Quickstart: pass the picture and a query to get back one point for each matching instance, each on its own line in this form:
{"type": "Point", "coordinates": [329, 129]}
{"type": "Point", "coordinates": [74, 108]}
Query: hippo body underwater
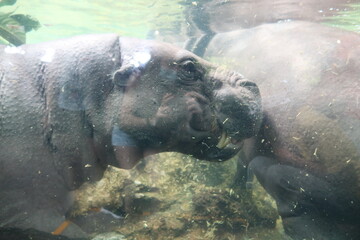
{"type": "Point", "coordinates": [63, 103]}
{"type": "Point", "coordinates": [307, 153]}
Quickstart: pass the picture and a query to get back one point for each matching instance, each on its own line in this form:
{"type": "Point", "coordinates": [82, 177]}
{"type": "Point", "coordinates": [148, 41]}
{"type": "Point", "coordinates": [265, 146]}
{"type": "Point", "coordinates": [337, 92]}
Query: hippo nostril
{"type": "Point", "coordinates": [217, 85]}
{"type": "Point", "coordinates": [246, 83]}
{"type": "Point", "coordinates": [249, 85]}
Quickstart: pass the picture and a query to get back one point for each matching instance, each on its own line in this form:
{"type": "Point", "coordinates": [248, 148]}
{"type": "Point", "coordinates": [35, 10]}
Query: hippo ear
{"type": "Point", "coordinates": [123, 75]}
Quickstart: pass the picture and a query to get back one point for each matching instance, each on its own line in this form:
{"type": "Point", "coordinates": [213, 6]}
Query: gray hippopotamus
{"type": "Point", "coordinates": [68, 108]}
{"type": "Point", "coordinates": [204, 19]}
{"type": "Point", "coordinates": [224, 16]}
{"type": "Point", "coordinates": [307, 153]}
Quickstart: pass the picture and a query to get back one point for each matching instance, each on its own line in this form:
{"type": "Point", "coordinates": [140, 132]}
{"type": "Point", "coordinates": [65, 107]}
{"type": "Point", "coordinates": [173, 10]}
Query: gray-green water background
{"type": "Point", "coordinates": [135, 18]}
{"type": "Point", "coordinates": [66, 18]}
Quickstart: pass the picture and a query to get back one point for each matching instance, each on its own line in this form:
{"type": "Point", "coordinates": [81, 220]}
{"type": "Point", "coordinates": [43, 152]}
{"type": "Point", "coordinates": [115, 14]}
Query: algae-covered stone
{"type": "Point", "coordinates": [172, 196]}
{"type": "Point", "coordinates": [183, 169]}
{"type": "Point", "coordinates": [105, 192]}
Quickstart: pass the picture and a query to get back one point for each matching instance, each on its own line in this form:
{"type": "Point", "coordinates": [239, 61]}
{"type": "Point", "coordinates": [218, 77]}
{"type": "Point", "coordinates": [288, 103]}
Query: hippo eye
{"type": "Point", "coordinates": [190, 71]}
{"type": "Point", "coordinates": [189, 66]}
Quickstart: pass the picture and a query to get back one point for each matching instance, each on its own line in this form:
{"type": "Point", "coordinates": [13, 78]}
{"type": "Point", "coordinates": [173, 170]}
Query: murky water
{"type": "Point", "coordinates": [174, 196]}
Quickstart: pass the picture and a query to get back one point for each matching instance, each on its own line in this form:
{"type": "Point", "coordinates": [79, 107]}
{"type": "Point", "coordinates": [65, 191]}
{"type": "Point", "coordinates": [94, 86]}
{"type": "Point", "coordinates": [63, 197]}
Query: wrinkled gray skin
{"type": "Point", "coordinates": [59, 102]}
{"type": "Point", "coordinates": [307, 153]}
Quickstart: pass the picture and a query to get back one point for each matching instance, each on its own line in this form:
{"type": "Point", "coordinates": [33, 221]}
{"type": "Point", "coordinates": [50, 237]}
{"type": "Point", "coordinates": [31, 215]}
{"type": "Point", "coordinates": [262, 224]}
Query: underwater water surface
{"type": "Point", "coordinates": [61, 19]}
{"type": "Point", "coordinates": [136, 18]}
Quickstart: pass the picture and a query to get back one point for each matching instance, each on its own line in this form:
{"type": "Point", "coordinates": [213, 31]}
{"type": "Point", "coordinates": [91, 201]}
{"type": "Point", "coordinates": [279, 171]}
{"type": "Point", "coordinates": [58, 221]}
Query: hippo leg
{"type": "Point", "coordinates": [305, 203]}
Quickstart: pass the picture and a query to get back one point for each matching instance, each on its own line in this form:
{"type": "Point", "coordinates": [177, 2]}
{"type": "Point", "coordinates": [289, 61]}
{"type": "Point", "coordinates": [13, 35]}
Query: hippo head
{"type": "Point", "coordinates": [172, 100]}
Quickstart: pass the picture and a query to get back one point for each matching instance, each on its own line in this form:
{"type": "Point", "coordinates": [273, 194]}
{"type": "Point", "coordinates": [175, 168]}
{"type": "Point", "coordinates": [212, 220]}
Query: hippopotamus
{"type": "Point", "coordinates": [224, 16]}
{"type": "Point", "coordinates": [71, 107]}
{"type": "Point", "coordinates": [307, 152]}
{"type": "Point", "coordinates": [205, 19]}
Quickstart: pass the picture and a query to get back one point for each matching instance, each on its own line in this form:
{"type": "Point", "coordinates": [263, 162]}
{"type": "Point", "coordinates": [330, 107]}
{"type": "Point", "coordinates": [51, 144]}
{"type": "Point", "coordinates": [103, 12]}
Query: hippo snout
{"type": "Point", "coordinates": [239, 113]}
{"type": "Point", "coordinates": [239, 109]}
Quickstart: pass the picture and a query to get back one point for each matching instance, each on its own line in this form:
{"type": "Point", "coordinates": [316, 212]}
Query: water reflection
{"type": "Point", "coordinates": [225, 16]}
{"type": "Point", "coordinates": [206, 18]}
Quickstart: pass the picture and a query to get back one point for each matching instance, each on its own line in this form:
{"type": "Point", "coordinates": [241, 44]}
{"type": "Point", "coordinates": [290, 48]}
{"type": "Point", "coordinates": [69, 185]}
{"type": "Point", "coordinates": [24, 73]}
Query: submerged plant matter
{"type": "Point", "coordinates": [13, 27]}
{"type": "Point", "coordinates": [172, 196]}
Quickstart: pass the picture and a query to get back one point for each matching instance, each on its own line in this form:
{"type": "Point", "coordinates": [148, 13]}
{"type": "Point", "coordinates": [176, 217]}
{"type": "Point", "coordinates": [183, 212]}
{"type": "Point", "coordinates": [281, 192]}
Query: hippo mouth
{"type": "Point", "coordinates": [218, 149]}
{"type": "Point", "coordinates": [226, 148]}
{"type": "Point", "coordinates": [214, 141]}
